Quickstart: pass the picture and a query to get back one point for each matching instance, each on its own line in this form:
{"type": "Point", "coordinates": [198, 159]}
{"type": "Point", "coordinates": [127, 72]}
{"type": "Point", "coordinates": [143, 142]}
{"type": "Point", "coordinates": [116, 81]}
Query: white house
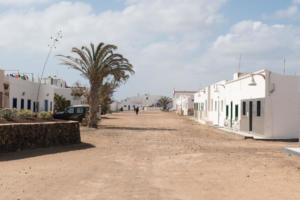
{"type": "Point", "coordinates": [264, 104]}
{"type": "Point", "coordinates": [141, 101]}
{"type": "Point", "coordinates": [23, 93]}
{"type": "Point", "coordinates": [183, 102]}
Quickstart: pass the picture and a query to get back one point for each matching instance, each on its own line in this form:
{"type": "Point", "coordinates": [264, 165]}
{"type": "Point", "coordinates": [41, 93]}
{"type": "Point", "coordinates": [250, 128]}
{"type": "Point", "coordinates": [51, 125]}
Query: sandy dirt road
{"type": "Point", "coordinates": [153, 156]}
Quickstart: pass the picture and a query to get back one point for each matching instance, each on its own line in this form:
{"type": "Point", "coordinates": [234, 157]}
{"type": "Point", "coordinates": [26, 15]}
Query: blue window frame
{"type": "Point", "coordinates": [46, 105]}
{"type": "Point", "coordinates": [15, 103]}
{"type": "Point", "coordinates": [51, 106]}
{"type": "Point", "coordinates": [22, 104]}
{"type": "Point", "coordinates": [28, 104]}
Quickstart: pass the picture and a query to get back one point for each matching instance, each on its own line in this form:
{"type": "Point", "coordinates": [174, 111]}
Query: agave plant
{"type": "Point", "coordinates": [97, 64]}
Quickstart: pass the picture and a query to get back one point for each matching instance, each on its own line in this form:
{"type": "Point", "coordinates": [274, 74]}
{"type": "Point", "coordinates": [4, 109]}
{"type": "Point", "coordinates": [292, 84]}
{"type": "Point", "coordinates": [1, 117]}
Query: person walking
{"type": "Point", "coordinates": [137, 110]}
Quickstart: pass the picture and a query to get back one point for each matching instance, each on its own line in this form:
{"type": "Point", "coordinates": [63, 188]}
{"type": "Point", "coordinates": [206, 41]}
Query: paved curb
{"type": "Point", "coordinates": [291, 151]}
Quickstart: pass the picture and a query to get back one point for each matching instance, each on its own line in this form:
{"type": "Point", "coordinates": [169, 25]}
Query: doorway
{"type": "Point", "coordinates": [250, 115]}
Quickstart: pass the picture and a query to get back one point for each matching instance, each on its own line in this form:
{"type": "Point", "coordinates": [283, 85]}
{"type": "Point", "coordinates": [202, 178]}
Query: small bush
{"type": "Point", "coordinates": [9, 114]}
{"type": "Point", "coordinates": [45, 115]}
{"type": "Point", "coordinates": [25, 114]}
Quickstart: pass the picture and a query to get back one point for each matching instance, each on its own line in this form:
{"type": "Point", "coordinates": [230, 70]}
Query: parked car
{"type": "Point", "coordinates": [76, 113]}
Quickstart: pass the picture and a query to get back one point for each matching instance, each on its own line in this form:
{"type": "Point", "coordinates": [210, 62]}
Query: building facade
{"type": "Point", "coordinates": [264, 104]}
{"type": "Point", "coordinates": [183, 102]}
{"type": "Point", "coordinates": [141, 101]}
{"type": "Point", "coordinates": [22, 93]}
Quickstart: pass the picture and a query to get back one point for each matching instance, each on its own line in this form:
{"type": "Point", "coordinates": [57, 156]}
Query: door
{"type": "Point", "coordinates": [231, 112]}
{"type": "Point", "coordinates": [250, 115]}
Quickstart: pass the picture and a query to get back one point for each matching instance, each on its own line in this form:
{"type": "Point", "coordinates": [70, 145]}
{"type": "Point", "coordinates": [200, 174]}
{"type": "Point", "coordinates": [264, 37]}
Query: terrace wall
{"type": "Point", "coordinates": [16, 137]}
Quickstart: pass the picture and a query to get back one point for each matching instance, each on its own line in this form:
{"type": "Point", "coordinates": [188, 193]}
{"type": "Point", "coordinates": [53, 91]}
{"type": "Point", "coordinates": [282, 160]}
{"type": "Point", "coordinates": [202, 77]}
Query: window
{"type": "Point", "coordinates": [46, 105]}
{"type": "Point", "coordinates": [51, 106]}
{"type": "Point", "coordinates": [258, 108]}
{"type": "Point", "coordinates": [125, 106]}
{"type": "Point", "coordinates": [80, 110]}
{"type": "Point", "coordinates": [244, 108]}
{"type": "Point", "coordinates": [28, 104]}
{"type": "Point", "coordinates": [227, 111]}
{"type": "Point", "coordinates": [216, 105]}
{"type": "Point", "coordinates": [212, 105]}
{"type": "Point", "coordinates": [236, 112]}
{"type": "Point", "coordinates": [15, 103]}
{"type": "Point", "coordinates": [70, 110]}
{"type": "Point", "coordinates": [22, 104]}
{"type": "Point", "coordinates": [35, 106]}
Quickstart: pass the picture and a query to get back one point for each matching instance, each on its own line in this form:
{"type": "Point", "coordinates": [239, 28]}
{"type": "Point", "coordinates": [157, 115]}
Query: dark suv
{"type": "Point", "coordinates": [75, 113]}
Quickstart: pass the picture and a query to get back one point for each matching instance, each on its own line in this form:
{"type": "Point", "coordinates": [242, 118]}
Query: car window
{"type": "Point", "coordinates": [70, 110]}
{"type": "Point", "coordinates": [87, 109]}
{"type": "Point", "coordinates": [80, 110]}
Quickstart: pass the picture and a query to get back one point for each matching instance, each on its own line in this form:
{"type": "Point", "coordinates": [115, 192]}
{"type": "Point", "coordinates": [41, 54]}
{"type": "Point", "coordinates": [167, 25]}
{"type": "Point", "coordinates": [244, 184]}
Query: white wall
{"type": "Point", "coordinates": [27, 90]}
{"type": "Point", "coordinates": [283, 106]}
{"type": "Point", "coordinates": [66, 92]}
{"type": "Point", "coordinates": [238, 91]}
{"type": "Point", "coordinates": [279, 97]}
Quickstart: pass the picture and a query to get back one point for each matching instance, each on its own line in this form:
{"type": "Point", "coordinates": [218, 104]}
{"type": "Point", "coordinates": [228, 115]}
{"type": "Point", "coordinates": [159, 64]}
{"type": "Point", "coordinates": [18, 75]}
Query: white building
{"type": "Point", "coordinates": [264, 104]}
{"type": "Point", "coordinates": [141, 101]}
{"type": "Point", "coordinates": [23, 93]}
{"type": "Point", "coordinates": [183, 102]}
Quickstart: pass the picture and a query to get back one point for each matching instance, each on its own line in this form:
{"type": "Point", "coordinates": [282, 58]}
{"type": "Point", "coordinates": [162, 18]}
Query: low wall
{"type": "Point", "coordinates": [15, 137]}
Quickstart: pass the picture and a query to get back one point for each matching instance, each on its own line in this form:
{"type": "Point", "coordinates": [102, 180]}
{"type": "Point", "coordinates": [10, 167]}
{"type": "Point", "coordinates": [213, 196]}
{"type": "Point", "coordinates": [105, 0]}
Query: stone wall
{"type": "Point", "coordinates": [15, 137]}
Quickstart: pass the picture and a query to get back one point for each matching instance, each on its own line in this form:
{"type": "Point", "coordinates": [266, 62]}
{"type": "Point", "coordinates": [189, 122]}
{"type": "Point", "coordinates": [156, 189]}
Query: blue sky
{"type": "Point", "coordinates": [181, 44]}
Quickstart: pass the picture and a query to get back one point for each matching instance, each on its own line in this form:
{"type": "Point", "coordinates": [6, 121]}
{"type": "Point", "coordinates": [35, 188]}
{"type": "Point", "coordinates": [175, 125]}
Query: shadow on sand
{"type": "Point", "coordinates": [29, 153]}
{"type": "Point", "coordinates": [134, 128]}
{"type": "Point", "coordinates": [104, 117]}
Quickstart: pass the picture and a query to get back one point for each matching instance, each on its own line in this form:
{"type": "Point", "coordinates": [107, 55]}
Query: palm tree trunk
{"type": "Point", "coordinates": [94, 105]}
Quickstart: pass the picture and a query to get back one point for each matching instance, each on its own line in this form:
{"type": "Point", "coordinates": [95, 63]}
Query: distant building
{"type": "Point", "coordinates": [24, 93]}
{"type": "Point", "coordinates": [183, 102]}
{"type": "Point", "coordinates": [263, 104]}
{"type": "Point", "coordinates": [141, 101]}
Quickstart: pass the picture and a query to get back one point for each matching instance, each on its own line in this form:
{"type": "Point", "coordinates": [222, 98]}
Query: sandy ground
{"type": "Point", "coordinates": [152, 156]}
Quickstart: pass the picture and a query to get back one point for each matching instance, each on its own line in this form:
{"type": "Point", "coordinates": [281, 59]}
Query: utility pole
{"type": "Point", "coordinates": [54, 39]}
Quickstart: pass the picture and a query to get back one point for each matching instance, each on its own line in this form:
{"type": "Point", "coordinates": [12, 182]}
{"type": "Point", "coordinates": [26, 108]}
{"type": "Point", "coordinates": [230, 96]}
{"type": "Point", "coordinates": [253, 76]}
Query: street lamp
{"type": "Point", "coordinates": [216, 87]}
{"type": "Point", "coordinates": [253, 82]}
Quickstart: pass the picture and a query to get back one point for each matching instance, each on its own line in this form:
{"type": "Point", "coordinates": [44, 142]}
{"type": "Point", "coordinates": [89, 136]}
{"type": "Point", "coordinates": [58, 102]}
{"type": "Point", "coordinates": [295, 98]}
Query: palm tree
{"type": "Point", "coordinates": [97, 64]}
{"type": "Point", "coordinates": [164, 102]}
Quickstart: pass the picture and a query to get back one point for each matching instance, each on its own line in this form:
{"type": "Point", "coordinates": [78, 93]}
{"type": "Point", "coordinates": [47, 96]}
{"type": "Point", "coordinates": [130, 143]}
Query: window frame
{"type": "Point", "coordinates": [236, 113]}
{"type": "Point", "coordinates": [227, 111]}
{"type": "Point", "coordinates": [258, 108]}
{"type": "Point", "coordinates": [15, 103]}
{"type": "Point", "coordinates": [244, 108]}
{"type": "Point", "coordinates": [22, 105]}
{"type": "Point", "coordinates": [28, 104]}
